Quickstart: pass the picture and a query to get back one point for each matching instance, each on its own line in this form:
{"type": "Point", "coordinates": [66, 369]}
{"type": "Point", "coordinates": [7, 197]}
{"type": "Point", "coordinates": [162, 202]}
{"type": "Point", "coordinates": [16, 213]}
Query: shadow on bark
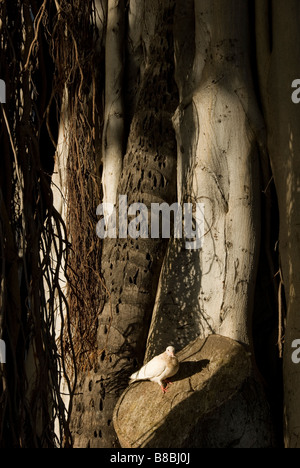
{"type": "Point", "coordinates": [215, 402]}
{"type": "Point", "coordinates": [190, 368]}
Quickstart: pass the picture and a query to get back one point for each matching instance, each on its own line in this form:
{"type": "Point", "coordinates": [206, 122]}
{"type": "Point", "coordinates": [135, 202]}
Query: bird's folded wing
{"type": "Point", "coordinates": [153, 368]}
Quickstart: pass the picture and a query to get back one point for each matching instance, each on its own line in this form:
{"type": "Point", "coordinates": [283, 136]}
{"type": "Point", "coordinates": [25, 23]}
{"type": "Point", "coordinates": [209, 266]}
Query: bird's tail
{"type": "Point", "coordinates": [133, 377]}
{"type": "Point", "coordinates": [139, 375]}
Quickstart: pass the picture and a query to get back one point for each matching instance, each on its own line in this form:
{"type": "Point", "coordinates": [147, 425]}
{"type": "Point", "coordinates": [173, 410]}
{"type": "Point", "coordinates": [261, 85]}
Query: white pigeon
{"type": "Point", "coordinates": [160, 368]}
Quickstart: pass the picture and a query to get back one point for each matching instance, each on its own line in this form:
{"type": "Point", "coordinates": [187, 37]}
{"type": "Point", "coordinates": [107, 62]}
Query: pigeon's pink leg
{"type": "Point", "coordinates": [165, 389]}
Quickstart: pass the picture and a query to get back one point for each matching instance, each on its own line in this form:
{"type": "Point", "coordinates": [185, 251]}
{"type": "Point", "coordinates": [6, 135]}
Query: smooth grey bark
{"type": "Point", "coordinates": [218, 128]}
{"type": "Point", "coordinates": [113, 134]}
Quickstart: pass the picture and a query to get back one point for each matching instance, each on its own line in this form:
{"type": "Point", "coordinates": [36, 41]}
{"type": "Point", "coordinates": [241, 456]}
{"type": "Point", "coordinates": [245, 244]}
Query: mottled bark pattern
{"type": "Point", "coordinates": [131, 267]}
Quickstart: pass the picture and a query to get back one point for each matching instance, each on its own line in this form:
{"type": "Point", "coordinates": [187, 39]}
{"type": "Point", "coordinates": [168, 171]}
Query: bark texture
{"type": "Point", "coordinates": [211, 132]}
{"type": "Point", "coordinates": [113, 136]}
{"type": "Point", "coordinates": [218, 127]}
{"type": "Point", "coordinates": [162, 102]}
{"type": "Point", "coordinates": [131, 267]}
